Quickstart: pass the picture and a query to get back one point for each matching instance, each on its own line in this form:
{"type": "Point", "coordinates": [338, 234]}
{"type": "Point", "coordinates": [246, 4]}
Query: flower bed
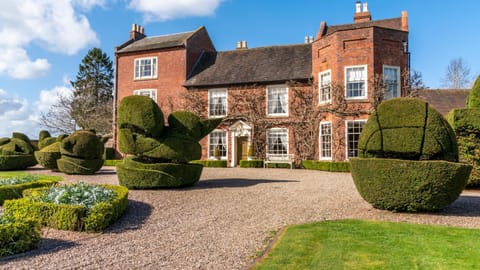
{"type": "Point", "coordinates": [12, 185]}
{"type": "Point", "coordinates": [72, 207]}
{"type": "Point", "coordinates": [17, 236]}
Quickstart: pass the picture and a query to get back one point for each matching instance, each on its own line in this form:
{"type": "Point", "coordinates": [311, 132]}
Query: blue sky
{"type": "Point", "coordinates": [43, 42]}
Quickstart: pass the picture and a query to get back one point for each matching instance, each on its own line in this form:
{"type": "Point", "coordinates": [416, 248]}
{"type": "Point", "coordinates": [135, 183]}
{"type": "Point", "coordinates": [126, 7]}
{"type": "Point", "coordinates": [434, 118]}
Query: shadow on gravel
{"type": "Point", "coordinates": [47, 245]}
{"type": "Point", "coordinates": [106, 171]}
{"type": "Point", "coordinates": [234, 183]}
{"type": "Point", "coordinates": [464, 206]}
{"type": "Point", "coordinates": [134, 217]}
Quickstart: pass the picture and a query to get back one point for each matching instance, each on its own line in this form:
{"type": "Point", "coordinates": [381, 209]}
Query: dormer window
{"type": "Point", "coordinates": [145, 68]}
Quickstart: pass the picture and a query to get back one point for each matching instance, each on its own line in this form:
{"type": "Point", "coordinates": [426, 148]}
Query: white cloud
{"type": "Point", "coordinates": [54, 25]}
{"type": "Point", "coordinates": [89, 4]}
{"type": "Point", "coordinates": [19, 115]}
{"type": "Point", "coordinates": [170, 9]}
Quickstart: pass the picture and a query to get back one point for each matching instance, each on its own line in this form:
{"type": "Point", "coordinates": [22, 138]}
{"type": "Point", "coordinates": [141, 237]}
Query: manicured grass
{"type": "Point", "coordinates": [356, 244]}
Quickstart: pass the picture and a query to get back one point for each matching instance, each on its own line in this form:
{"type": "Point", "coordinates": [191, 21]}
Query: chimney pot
{"type": "Point", "coordinates": [133, 27]}
{"type": "Point", "coordinates": [358, 6]}
{"type": "Point", "coordinates": [137, 32]}
{"type": "Point", "coordinates": [306, 39]}
{"type": "Point", "coordinates": [365, 7]}
{"type": "Point", "coordinates": [244, 44]}
{"type": "Point", "coordinates": [404, 20]}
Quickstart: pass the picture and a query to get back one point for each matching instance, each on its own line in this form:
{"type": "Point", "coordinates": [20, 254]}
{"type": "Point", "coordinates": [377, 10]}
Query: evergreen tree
{"type": "Point", "coordinates": [93, 92]}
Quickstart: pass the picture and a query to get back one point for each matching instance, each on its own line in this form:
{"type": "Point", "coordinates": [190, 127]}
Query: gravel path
{"type": "Point", "coordinates": [220, 223]}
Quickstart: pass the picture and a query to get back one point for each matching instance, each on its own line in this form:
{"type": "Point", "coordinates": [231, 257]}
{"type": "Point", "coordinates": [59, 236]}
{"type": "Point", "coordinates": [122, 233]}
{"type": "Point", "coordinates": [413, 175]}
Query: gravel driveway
{"type": "Point", "coordinates": [220, 223]}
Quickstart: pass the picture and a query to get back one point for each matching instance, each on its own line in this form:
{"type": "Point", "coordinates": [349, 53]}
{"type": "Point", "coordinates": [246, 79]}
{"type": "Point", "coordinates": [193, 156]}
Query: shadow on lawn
{"type": "Point", "coordinates": [46, 246]}
{"type": "Point", "coordinates": [234, 183]}
{"type": "Point", "coordinates": [134, 217]}
{"type": "Point", "coordinates": [464, 206]}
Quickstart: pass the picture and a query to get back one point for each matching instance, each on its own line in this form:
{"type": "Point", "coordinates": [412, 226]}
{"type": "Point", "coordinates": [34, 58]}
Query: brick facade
{"type": "Point", "coordinates": [189, 66]}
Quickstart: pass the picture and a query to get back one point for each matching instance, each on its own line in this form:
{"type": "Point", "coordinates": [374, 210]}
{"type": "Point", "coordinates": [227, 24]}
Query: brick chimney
{"type": "Point", "coordinates": [137, 32]}
{"type": "Point", "coordinates": [404, 21]}
{"type": "Point", "coordinates": [362, 14]}
{"type": "Point", "coordinates": [242, 44]}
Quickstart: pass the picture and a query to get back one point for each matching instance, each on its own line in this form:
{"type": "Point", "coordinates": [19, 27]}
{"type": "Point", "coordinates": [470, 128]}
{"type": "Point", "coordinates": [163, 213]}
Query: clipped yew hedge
{"type": "Point", "coordinates": [211, 163]}
{"type": "Point", "coordinates": [256, 163]}
{"type": "Point", "coordinates": [18, 236]}
{"type": "Point", "coordinates": [81, 153]}
{"type": "Point", "coordinates": [16, 153]}
{"type": "Point", "coordinates": [328, 166]}
{"type": "Point", "coordinates": [69, 217]}
{"type": "Point", "coordinates": [406, 185]}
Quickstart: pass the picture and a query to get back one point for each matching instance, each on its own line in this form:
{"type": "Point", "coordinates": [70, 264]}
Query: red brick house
{"type": "Point", "coordinates": [310, 100]}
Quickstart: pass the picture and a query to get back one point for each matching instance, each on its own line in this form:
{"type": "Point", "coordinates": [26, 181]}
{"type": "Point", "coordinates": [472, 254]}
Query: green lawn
{"type": "Point", "coordinates": [357, 244]}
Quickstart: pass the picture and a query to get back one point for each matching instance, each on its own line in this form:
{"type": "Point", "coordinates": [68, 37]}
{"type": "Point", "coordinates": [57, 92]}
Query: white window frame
{"type": "Point", "coordinates": [211, 151]}
{"type": "Point", "coordinates": [274, 87]}
{"type": "Point", "coordinates": [322, 86]}
{"type": "Point", "coordinates": [399, 88]}
{"type": "Point", "coordinates": [321, 136]}
{"type": "Point", "coordinates": [151, 93]}
{"type": "Point", "coordinates": [347, 142]}
{"type": "Point", "coordinates": [210, 100]}
{"type": "Point", "coordinates": [153, 68]}
{"type": "Point", "coordinates": [365, 81]}
{"type": "Point", "coordinates": [287, 143]}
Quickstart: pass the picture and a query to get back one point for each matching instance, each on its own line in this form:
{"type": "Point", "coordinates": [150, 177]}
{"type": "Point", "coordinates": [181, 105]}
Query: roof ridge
{"type": "Point", "coordinates": [266, 47]}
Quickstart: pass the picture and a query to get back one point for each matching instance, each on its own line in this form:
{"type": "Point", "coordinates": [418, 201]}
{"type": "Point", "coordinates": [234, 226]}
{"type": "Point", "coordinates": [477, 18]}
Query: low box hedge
{"type": "Point", "coordinates": [211, 163]}
{"type": "Point", "coordinates": [408, 185]}
{"type": "Point", "coordinates": [279, 165]}
{"type": "Point", "coordinates": [328, 166]}
{"type": "Point", "coordinates": [112, 162]}
{"type": "Point", "coordinates": [8, 192]}
{"type": "Point", "coordinates": [18, 236]}
{"type": "Point", "coordinates": [256, 163]}
{"type": "Point", "coordinates": [70, 217]}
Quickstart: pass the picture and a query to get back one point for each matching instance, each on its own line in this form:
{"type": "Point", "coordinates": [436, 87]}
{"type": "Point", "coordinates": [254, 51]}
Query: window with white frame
{"type": "Point", "coordinates": [277, 141]}
{"type": "Point", "coordinates": [353, 130]}
{"type": "Point", "coordinates": [326, 140]}
{"type": "Point", "coordinates": [151, 93]}
{"type": "Point", "coordinates": [391, 80]}
{"type": "Point", "coordinates": [325, 86]}
{"type": "Point", "coordinates": [277, 100]}
{"type": "Point", "coordinates": [356, 82]}
{"type": "Point", "coordinates": [217, 139]}
{"type": "Point", "coordinates": [146, 68]}
{"type": "Point", "coordinates": [217, 102]}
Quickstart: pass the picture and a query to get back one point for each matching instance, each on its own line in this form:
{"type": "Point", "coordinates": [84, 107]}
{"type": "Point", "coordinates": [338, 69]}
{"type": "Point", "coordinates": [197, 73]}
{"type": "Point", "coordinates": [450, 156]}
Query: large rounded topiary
{"type": "Point", "coordinates": [466, 124]}
{"type": "Point", "coordinates": [49, 150]}
{"type": "Point", "coordinates": [81, 153]}
{"type": "Point", "coordinates": [408, 158]}
{"type": "Point", "coordinates": [16, 153]}
{"type": "Point", "coordinates": [161, 153]}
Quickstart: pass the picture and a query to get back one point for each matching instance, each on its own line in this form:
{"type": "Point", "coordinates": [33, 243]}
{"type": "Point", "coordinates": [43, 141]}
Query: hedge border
{"type": "Point", "coordinates": [9, 192]}
{"type": "Point", "coordinates": [211, 163]}
{"type": "Point", "coordinates": [328, 166]}
{"type": "Point", "coordinates": [19, 236]}
{"type": "Point", "coordinates": [256, 163]}
{"type": "Point", "coordinates": [112, 162]}
{"type": "Point", "coordinates": [70, 217]}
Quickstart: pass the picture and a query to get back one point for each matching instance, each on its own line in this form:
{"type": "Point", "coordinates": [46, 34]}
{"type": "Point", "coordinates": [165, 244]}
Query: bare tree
{"type": "Point", "coordinates": [59, 118]}
{"type": "Point", "coordinates": [457, 75]}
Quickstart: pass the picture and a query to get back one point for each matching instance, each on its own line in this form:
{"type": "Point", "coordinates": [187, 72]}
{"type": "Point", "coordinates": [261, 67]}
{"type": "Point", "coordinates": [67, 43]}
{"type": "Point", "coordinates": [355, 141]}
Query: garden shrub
{"type": "Point", "coordinates": [328, 166]}
{"type": "Point", "coordinates": [18, 236]}
{"type": "Point", "coordinates": [407, 155]}
{"type": "Point", "coordinates": [66, 216]}
{"type": "Point", "coordinates": [81, 153]}
{"type": "Point", "coordinates": [406, 185]}
{"type": "Point", "coordinates": [16, 153]}
{"type": "Point", "coordinates": [211, 163]}
{"type": "Point", "coordinates": [466, 124]}
{"type": "Point", "coordinates": [112, 162]}
{"type": "Point", "coordinates": [256, 163]}
{"type": "Point", "coordinates": [21, 182]}
{"type": "Point", "coordinates": [279, 165]}
{"type": "Point", "coordinates": [162, 153]}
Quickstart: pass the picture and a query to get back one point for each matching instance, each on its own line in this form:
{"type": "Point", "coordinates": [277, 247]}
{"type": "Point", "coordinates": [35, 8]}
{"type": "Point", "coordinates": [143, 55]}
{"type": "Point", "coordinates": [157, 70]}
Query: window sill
{"type": "Point", "coordinates": [216, 116]}
{"type": "Point", "coordinates": [277, 115]}
{"type": "Point", "coordinates": [145, 79]}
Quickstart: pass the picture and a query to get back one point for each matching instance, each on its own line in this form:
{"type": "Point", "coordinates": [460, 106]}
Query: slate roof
{"type": "Point", "coordinates": [444, 100]}
{"type": "Point", "coordinates": [257, 65]}
{"type": "Point", "coordinates": [157, 42]}
{"type": "Point", "coordinates": [394, 23]}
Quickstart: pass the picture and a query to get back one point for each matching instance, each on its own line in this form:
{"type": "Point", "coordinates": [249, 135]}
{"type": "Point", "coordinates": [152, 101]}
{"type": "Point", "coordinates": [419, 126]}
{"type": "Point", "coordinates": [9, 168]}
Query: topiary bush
{"type": "Point", "coordinates": [466, 124]}
{"type": "Point", "coordinates": [49, 150]}
{"type": "Point", "coordinates": [16, 153]}
{"type": "Point", "coordinates": [407, 158]}
{"type": "Point", "coordinates": [161, 153]}
{"type": "Point", "coordinates": [63, 216]}
{"type": "Point", "coordinates": [18, 235]}
{"type": "Point", "coordinates": [81, 153]}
